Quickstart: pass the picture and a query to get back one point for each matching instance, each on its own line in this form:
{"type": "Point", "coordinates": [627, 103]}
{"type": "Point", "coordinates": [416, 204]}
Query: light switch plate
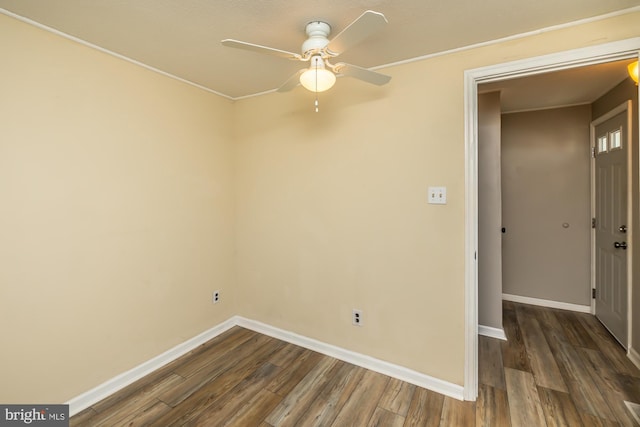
{"type": "Point", "coordinates": [437, 195]}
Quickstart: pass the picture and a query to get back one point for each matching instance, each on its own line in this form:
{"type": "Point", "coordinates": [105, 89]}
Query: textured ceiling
{"type": "Point", "coordinates": [183, 37]}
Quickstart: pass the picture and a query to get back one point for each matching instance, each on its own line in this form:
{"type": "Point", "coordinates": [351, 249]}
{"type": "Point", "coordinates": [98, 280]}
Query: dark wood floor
{"type": "Point", "coordinates": [558, 368]}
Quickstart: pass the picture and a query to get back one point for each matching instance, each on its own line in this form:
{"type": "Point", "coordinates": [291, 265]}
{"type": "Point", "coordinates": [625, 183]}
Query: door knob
{"type": "Point", "coordinates": [622, 229]}
{"type": "Point", "coordinates": [620, 245]}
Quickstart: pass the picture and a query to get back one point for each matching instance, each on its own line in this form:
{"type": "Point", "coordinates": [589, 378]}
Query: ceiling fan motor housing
{"type": "Point", "coordinates": [318, 32]}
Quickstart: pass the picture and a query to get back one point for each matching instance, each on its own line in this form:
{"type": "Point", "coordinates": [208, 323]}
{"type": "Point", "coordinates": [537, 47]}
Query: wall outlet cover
{"type": "Point", "coordinates": [437, 195]}
{"type": "Point", "coordinates": [356, 317]}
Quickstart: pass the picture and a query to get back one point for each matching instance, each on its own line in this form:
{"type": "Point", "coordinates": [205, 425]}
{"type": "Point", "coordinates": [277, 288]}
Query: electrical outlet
{"type": "Point", "coordinates": [216, 297]}
{"type": "Point", "coordinates": [356, 318]}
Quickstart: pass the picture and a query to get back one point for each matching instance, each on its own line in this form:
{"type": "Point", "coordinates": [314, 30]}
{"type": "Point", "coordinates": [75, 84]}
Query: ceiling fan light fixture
{"type": "Point", "coordinates": [317, 78]}
{"type": "Point", "coordinates": [633, 71]}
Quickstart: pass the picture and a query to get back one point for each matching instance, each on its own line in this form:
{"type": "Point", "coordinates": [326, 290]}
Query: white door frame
{"type": "Point", "coordinates": [624, 107]}
{"type": "Point", "coordinates": [623, 49]}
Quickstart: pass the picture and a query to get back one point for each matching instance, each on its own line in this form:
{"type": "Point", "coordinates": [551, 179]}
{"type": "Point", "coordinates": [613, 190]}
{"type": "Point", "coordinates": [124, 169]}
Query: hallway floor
{"type": "Point", "coordinates": [557, 368]}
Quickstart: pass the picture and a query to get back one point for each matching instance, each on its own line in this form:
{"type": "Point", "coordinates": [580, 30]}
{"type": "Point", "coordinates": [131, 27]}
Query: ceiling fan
{"type": "Point", "coordinates": [318, 50]}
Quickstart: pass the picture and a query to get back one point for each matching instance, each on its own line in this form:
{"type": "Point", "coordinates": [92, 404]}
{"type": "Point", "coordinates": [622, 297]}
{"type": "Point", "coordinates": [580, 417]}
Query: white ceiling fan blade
{"type": "Point", "coordinates": [292, 82]}
{"type": "Point", "coordinates": [365, 25]}
{"type": "Point", "coordinates": [261, 49]}
{"type": "Point", "coordinates": [362, 74]}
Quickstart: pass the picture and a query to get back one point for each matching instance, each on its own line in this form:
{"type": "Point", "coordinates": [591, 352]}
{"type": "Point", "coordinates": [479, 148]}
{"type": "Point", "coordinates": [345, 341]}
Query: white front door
{"type": "Point", "coordinates": [611, 222]}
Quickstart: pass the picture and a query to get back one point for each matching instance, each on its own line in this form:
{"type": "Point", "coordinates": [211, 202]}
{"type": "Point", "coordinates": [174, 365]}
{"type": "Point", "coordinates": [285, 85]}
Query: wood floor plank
{"type": "Point", "coordinates": [588, 399]}
{"type": "Point", "coordinates": [146, 415]}
{"type": "Point", "coordinates": [492, 407]}
{"type": "Point", "coordinates": [223, 410]}
{"type": "Point", "coordinates": [301, 367]}
{"type": "Point", "coordinates": [593, 421]}
{"type": "Point", "coordinates": [525, 408]}
{"type": "Point", "coordinates": [601, 370]}
{"type": "Point", "coordinates": [136, 402]}
{"type": "Point", "coordinates": [218, 387]}
{"type": "Point", "coordinates": [130, 391]}
{"type": "Point", "coordinates": [363, 401]}
{"type": "Point", "coordinates": [245, 353]}
{"type": "Point", "coordinates": [82, 418]}
{"type": "Point", "coordinates": [514, 353]}
{"type": "Point", "coordinates": [509, 305]}
{"type": "Point", "coordinates": [383, 418]}
{"type": "Point", "coordinates": [565, 355]}
{"type": "Point", "coordinates": [609, 346]}
{"type": "Point", "coordinates": [569, 356]}
{"type": "Point", "coordinates": [166, 370]}
{"type": "Point", "coordinates": [619, 409]}
{"type": "Point", "coordinates": [490, 365]}
{"type": "Point", "coordinates": [301, 397]}
{"type": "Point", "coordinates": [577, 377]}
{"type": "Point", "coordinates": [214, 353]}
{"type": "Point", "coordinates": [575, 331]}
{"type": "Point", "coordinates": [553, 330]}
{"type": "Point", "coordinates": [397, 397]}
{"type": "Point", "coordinates": [616, 388]}
{"type": "Point", "coordinates": [558, 408]}
{"type": "Point", "coordinates": [255, 410]}
{"type": "Point", "coordinates": [425, 409]}
{"type": "Point", "coordinates": [324, 410]}
{"type": "Point", "coordinates": [457, 413]}
{"type": "Point", "coordinates": [629, 387]}
{"type": "Point", "coordinates": [544, 366]}
{"type": "Point", "coordinates": [287, 355]}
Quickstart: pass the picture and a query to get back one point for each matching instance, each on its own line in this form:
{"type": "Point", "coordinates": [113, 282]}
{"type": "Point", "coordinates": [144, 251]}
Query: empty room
{"type": "Point", "coordinates": [274, 213]}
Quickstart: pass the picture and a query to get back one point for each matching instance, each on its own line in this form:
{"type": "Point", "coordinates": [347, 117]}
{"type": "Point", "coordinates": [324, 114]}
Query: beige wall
{"type": "Point", "coordinates": [333, 215]}
{"type": "Point", "coordinates": [545, 186]}
{"type": "Point", "coordinates": [121, 184]}
{"type": "Point", "coordinates": [489, 211]}
{"type": "Point", "coordinates": [626, 90]}
{"type": "Point", "coordinates": [116, 217]}
{"type": "Point", "coordinates": [332, 211]}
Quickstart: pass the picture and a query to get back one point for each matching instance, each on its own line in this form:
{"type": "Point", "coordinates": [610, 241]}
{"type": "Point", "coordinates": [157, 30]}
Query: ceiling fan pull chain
{"type": "Point", "coordinates": [316, 62]}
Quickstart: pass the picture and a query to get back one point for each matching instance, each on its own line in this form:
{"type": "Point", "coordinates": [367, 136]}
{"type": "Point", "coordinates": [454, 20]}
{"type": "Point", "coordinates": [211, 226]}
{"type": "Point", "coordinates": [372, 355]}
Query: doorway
{"type": "Point", "coordinates": [565, 60]}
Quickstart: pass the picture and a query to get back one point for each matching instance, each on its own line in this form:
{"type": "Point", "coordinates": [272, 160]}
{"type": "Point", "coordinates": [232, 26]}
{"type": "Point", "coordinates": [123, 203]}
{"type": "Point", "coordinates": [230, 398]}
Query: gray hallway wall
{"type": "Point", "coordinates": [546, 204]}
{"type": "Point", "coordinates": [489, 212]}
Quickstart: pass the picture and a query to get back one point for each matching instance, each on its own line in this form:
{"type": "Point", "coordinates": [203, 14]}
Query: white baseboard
{"type": "Point", "coordinates": [386, 368]}
{"type": "Point", "coordinates": [634, 356]}
{"type": "Point", "coordinates": [96, 394]}
{"type": "Point", "coordinates": [547, 303]}
{"type": "Point", "coordinates": [83, 401]}
{"type": "Point", "coordinates": [634, 410]}
{"type": "Point", "coordinates": [492, 332]}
